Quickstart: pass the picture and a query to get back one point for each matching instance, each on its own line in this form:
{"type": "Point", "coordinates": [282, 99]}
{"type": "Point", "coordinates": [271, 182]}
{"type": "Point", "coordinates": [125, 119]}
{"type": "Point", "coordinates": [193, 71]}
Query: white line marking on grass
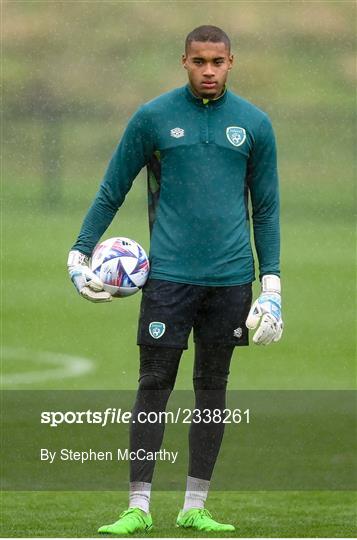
{"type": "Point", "coordinates": [65, 366]}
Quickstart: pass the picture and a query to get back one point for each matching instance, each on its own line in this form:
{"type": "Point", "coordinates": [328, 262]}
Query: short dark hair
{"type": "Point", "coordinates": [208, 33]}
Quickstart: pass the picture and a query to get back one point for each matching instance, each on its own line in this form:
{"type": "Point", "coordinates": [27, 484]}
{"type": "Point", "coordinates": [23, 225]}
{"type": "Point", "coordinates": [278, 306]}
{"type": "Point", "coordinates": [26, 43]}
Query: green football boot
{"type": "Point", "coordinates": [131, 521]}
{"type": "Point", "coordinates": [199, 519]}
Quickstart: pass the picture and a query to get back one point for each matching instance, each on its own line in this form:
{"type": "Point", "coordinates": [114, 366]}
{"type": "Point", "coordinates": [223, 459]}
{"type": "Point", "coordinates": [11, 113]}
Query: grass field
{"type": "Point", "coordinates": [264, 514]}
{"type": "Point", "coordinates": [296, 61]}
{"type": "Point", "coordinates": [43, 313]}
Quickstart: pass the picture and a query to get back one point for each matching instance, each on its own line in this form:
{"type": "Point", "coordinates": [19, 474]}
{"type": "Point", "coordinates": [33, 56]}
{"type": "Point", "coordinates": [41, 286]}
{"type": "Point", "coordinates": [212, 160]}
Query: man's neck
{"type": "Point", "coordinates": [206, 99]}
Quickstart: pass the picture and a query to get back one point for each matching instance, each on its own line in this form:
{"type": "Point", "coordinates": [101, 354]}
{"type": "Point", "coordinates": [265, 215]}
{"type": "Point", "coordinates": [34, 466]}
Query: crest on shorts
{"type": "Point", "coordinates": [236, 135]}
{"type": "Point", "coordinates": [157, 329]}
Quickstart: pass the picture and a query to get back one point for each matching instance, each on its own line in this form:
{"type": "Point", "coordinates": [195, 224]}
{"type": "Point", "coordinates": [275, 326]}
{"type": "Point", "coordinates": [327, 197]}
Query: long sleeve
{"type": "Point", "coordinates": [264, 191]}
{"type": "Point", "coordinates": [131, 155]}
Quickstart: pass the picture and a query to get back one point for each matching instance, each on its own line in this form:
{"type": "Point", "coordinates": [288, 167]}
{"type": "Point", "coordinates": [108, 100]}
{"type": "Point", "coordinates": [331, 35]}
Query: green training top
{"type": "Point", "coordinates": [203, 157]}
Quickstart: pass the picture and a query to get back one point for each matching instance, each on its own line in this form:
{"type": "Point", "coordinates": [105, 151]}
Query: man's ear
{"type": "Point", "coordinates": [184, 60]}
{"type": "Point", "coordinates": [231, 60]}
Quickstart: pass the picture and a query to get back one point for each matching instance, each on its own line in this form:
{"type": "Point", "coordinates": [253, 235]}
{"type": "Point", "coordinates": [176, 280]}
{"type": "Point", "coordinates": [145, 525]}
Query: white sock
{"type": "Point", "coordinates": [196, 493]}
{"type": "Point", "coordinates": [139, 495]}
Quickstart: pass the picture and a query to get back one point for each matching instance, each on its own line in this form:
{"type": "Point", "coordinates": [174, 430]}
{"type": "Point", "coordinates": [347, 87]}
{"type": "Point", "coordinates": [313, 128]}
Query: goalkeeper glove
{"type": "Point", "coordinates": [266, 312]}
{"type": "Point", "coordinates": [85, 281]}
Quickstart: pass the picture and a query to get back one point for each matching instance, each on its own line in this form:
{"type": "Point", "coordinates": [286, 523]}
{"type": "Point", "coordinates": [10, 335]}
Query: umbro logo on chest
{"type": "Point", "coordinates": [235, 135]}
{"type": "Point", "coordinates": [177, 132]}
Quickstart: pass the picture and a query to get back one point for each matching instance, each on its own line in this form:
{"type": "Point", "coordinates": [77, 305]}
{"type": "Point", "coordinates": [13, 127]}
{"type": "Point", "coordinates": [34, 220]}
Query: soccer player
{"type": "Point", "coordinates": [207, 151]}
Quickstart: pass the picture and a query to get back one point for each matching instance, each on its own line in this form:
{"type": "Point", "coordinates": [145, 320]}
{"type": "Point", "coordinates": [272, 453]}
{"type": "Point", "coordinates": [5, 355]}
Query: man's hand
{"type": "Point", "coordinates": [266, 311]}
{"type": "Point", "coordinates": [85, 281]}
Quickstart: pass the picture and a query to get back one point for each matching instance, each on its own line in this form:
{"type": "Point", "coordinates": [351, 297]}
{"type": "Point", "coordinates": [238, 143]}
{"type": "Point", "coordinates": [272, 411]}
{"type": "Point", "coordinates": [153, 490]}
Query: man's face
{"type": "Point", "coordinates": [207, 66]}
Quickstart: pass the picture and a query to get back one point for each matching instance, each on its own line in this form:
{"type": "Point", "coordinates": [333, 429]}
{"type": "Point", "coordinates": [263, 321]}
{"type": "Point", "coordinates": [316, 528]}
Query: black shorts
{"type": "Point", "coordinates": [170, 310]}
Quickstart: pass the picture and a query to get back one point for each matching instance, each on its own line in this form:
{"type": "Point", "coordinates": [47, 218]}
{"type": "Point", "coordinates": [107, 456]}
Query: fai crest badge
{"type": "Point", "coordinates": [157, 329]}
{"type": "Point", "coordinates": [236, 135]}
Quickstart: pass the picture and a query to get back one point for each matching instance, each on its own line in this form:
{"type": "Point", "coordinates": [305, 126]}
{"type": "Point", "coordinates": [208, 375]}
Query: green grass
{"type": "Point", "coordinates": [273, 514]}
{"type": "Point", "coordinates": [317, 352]}
{"type": "Point", "coordinates": [268, 514]}
{"type": "Point", "coordinates": [44, 313]}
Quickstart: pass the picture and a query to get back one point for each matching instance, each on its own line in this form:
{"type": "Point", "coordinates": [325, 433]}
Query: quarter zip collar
{"type": "Point", "coordinates": [202, 102]}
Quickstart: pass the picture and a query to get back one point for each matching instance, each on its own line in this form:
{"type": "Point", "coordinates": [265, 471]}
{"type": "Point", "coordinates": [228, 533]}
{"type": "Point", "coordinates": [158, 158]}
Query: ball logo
{"type": "Point", "coordinates": [236, 135]}
{"type": "Point", "coordinates": [157, 329]}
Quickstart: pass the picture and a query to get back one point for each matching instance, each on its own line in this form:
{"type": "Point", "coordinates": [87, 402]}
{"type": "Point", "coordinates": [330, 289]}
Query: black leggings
{"type": "Point", "coordinates": [158, 370]}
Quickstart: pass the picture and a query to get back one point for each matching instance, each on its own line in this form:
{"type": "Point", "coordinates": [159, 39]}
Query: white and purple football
{"type": "Point", "coordinates": [121, 264]}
